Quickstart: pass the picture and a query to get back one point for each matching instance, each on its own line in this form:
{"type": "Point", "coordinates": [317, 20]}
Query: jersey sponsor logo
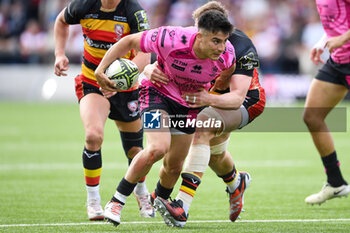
{"type": "Point", "coordinates": [119, 31]}
{"type": "Point", "coordinates": [182, 53]}
{"type": "Point", "coordinates": [196, 69]}
{"type": "Point", "coordinates": [214, 71]}
{"type": "Point", "coordinates": [154, 36]}
{"type": "Point", "coordinates": [142, 20]}
{"type": "Point", "coordinates": [95, 44]}
{"type": "Point", "coordinates": [163, 38]}
{"type": "Point", "coordinates": [184, 39]}
{"type": "Point", "coordinates": [230, 50]}
{"type": "Point", "coordinates": [171, 35]}
{"type": "Point", "coordinates": [178, 67]}
{"type": "Point", "coordinates": [248, 62]}
{"type": "Point", "coordinates": [120, 18]}
{"type": "Point", "coordinates": [91, 16]}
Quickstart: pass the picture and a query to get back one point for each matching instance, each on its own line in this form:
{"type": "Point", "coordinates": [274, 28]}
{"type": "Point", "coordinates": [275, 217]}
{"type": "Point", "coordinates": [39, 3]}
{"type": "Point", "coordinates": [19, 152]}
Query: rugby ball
{"type": "Point", "coordinates": [124, 73]}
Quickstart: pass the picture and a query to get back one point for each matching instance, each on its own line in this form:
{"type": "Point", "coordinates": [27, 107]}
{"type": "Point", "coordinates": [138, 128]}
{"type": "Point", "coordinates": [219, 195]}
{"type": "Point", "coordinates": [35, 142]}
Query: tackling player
{"type": "Point", "coordinates": [104, 23]}
{"type": "Point", "coordinates": [191, 58]}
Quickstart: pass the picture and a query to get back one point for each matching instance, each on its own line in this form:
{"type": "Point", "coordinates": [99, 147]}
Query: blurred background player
{"type": "Point", "coordinates": [329, 87]}
{"type": "Point", "coordinates": [104, 23]}
{"type": "Point", "coordinates": [191, 58]}
{"type": "Point", "coordinates": [235, 108]}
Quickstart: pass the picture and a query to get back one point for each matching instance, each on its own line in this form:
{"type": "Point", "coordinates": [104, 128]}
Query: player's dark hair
{"type": "Point", "coordinates": [215, 21]}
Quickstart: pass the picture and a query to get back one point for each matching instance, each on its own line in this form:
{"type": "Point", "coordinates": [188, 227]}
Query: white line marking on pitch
{"type": "Point", "coordinates": [194, 221]}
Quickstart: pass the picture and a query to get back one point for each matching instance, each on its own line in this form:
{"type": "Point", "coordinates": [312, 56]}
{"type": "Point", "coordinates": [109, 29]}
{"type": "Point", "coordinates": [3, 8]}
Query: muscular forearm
{"type": "Point", "coordinates": [346, 36]}
{"type": "Point", "coordinates": [142, 60]}
{"type": "Point", "coordinates": [61, 32]}
{"type": "Point", "coordinates": [231, 100]}
{"type": "Point", "coordinates": [239, 85]}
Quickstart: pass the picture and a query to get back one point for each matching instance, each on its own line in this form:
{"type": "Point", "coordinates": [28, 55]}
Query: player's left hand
{"type": "Point", "coordinates": [335, 42]}
{"type": "Point", "coordinates": [106, 93]}
{"type": "Point", "coordinates": [197, 99]}
{"type": "Point", "coordinates": [155, 75]}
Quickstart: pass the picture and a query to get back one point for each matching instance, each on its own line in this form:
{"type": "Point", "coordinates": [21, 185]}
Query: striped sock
{"type": "Point", "coordinates": [92, 162]}
{"type": "Point", "coordinates": [232, 180]}
{"type": "Point", "coordinates": [189, 185]}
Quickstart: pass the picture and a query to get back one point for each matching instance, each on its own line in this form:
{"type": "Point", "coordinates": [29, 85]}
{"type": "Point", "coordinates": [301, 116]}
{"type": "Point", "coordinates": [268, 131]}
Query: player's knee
{"type": "Point", "coordinates": [157, 151]}
{"type": "Point", "coordinates": [173, 169]}
{"type": "Point", "coordinates": [312, 120]}
{"type": "Point", "coordinates": [132, 142]}
{"type": "Point", "coordinates": [132, 152]}
{"type": "Point", "coordinates": [203, 136]}
{"type": "Point", "coordinates": [94, 137]}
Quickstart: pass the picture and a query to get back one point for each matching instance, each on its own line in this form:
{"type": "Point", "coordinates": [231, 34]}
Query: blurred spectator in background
{"type": "Point", "coordinates": [13, 17]}
{"type": "Point", "coordinates": [282, 30]}
{"type": "Point", "coordinates": [180, 12]}
{"type": "Point", "coordinates": [311, 33]}
{"type": "Point", "coordinates": [32, 43]}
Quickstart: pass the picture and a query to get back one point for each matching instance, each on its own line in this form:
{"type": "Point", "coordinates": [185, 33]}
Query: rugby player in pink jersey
{"type": "Point", "coordinates": [329, 87]}
{"type": "Point", "coordinates": [235, 107]}
{"type": "Point", "coordinates": [191, 57]}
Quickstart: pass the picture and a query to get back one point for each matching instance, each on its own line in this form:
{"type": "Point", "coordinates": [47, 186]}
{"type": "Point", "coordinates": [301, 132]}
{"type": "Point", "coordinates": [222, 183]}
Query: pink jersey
{"type": "Point", "coordinates": [176, 58]}
{"type": "Point", "coordinates": [335, 18]}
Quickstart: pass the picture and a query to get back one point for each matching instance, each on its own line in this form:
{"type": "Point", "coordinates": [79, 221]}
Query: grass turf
{"type": "Point", "coordinates": [42, 183]}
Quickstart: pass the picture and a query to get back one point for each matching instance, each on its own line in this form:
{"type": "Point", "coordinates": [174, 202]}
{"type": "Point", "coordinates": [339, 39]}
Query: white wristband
{"type": "Point", "coordinates": [321, 43]}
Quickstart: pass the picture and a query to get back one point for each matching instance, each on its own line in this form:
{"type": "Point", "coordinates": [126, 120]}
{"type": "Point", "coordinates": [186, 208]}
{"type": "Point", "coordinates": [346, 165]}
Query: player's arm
{"type": "Point", "coordinates": [317, 50]}
{"type": "Point", "coordinates": [338, 41]}
{"type": "Point", "coordinates": [142, 60]}
{"type": "Point", "coordinates": [118, 50]}
{"type": "Point", "coordinates": [138, 22]}
{"type": "Point", "coordinates": [239, 85]}
{"type": "Point", "coordinates": [61, 32]}
{"type": "Point", "coordinates": [223, 81]}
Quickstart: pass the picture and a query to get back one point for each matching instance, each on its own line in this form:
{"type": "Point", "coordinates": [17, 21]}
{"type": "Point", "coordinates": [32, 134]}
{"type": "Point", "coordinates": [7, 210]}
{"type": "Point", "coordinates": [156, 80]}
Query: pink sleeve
{"type": "Point", "coordinates": [230, 54]}
{"type": "Point", "coordinates": [149, 40]}
{"type": "Point", "coordinates": [157, 40]}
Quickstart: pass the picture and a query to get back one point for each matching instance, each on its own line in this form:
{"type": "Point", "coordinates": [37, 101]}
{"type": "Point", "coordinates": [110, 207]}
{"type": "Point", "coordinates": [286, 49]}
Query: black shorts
{"type": "Point", "coordinates": [179, 115]}
{"type": "Point", "coordinates": [335, 73]}
{"type": "Point", "coordinates": [124, 105]}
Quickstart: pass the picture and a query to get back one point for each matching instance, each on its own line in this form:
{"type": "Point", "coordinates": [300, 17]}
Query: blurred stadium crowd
{"type": "Point", "coordinates": [282, 30]}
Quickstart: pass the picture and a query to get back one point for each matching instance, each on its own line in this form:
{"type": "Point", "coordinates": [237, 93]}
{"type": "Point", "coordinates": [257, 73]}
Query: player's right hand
{"type": "Point", "coordinates": [103, 80]}
{"type": "Point", "coordinates": [61, 65]}
{"type": "Point", "coordinates": [315, 56]}
{"type": "Point", "coordinates": [155, 75]}
{"type": "Point", "coordinates": [107, 94]}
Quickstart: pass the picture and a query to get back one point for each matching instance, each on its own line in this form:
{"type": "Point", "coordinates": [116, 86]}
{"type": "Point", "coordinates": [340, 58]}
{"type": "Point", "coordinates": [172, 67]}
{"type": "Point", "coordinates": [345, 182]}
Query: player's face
{"type": "Point", "coordinates": [213, 44]}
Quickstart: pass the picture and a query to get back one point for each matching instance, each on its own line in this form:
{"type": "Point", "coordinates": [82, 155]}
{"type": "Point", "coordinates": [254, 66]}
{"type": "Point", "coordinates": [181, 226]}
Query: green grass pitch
{"type": "Point", "coordinates": [42, 184]}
